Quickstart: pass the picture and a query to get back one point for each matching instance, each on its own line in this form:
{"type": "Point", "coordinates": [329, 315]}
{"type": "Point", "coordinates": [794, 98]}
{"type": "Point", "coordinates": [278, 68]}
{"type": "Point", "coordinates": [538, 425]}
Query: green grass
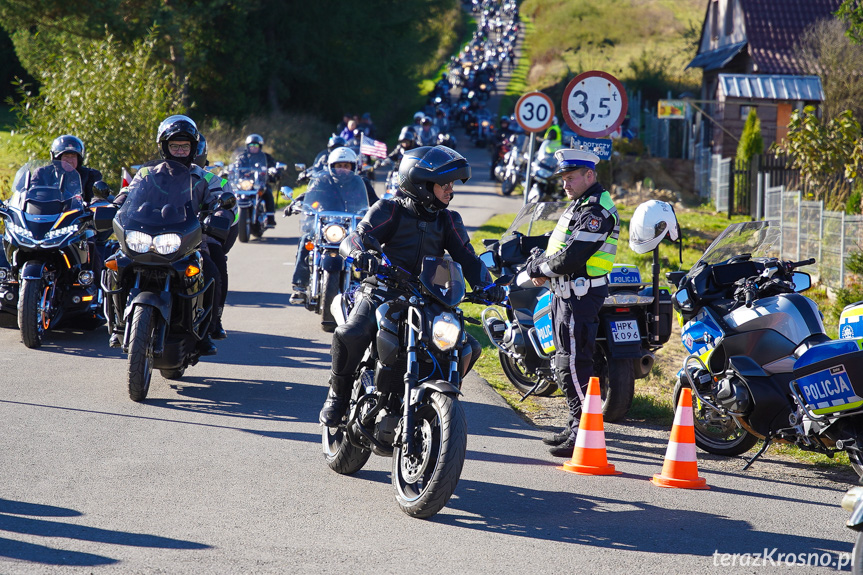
{"type": "Point", "coordinates": [517, 85]}
{"type": "Point", "coordinates": [12, 156]}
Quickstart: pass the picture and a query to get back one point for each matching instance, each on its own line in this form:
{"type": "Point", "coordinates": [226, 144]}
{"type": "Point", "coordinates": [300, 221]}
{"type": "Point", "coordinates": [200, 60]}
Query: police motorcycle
{"type": "Point", "coordinates": [405, 401]}
{"type": "Point", "coordinates": [633, 325]}
{"type": "Point", "coordinates": [155, 281]}
{"type": "Point", "coordinates": [47, 276]}
{"type": "Point", "coordinates": [250, 182]}
{"type": "Point", "coordinates": [760, 364]}
{"type": "Point", "coordinates": [544, 186]}
{"type": "Point", "coordinates": [330, 210]}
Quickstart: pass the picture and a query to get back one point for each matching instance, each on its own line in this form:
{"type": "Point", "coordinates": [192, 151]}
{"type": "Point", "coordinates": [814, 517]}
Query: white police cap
{"type": "Point", "coordinates": [569, 159]}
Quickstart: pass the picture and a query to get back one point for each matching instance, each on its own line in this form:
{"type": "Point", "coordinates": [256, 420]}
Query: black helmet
{"type": "Point", "coordinates": [177, 128]}
{"type": "Point", "coordinates": [407, 133]}
{"type": "Point", "coordinates": [504, 119]}
{"type": "Point", "coordinates": [254, 139]}
{"type": "Point", "coordinates": [423, 167]}
{"type": "Point", "coordinates": [66, 143]}
{"type": "Point", "coordinates": [201, 152]}
{"type": "Point", "coordinates": [335, 142]}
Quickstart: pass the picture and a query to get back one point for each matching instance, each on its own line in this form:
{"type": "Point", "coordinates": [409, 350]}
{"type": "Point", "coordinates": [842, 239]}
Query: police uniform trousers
{"type": "Point", "coordinates": [576, 324]}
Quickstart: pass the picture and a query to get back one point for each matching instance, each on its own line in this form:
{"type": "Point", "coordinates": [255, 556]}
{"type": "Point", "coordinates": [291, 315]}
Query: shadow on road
{"type": "Point", "coordinates": [25, 518]}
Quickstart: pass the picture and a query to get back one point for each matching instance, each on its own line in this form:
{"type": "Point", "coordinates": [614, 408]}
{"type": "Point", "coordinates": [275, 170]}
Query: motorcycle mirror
{"type": "Point", "coordinates": [227, 201]}
{"type": "Point", "coordinates": [682, 299]}
{"type": "Point", "coordinates": [287, 193]}
{"type": "Point", "coordinates": [487, 258]}
{"type": "Point", "coordinates": [101, 190]}
{"type": "Point", "coordinates": [802, 281]}
{"type": "Point", "coordinates": [299, 167]}
{"type": "Point", "coordinates": [281, 166]}
{"type": "Point", "coordinates": [219, 164]}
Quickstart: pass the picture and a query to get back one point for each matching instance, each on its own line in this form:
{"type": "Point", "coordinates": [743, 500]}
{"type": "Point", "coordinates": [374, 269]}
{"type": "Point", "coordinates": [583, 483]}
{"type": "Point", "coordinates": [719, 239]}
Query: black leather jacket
{"type": "Point", "coordinates": [408, 233]}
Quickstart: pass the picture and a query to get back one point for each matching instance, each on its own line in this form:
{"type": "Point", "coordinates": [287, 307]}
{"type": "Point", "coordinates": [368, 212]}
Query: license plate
{"type": "Point", "coordinates": [625, 331]}
{"type": "Point", "coordinates": [828, 388]}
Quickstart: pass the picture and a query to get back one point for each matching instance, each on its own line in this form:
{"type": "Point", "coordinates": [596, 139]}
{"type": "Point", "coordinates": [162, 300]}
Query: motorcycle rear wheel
{"type": "Point", "coordinates": [522, 381]}
{"type": "Point", "coordinates": [341, 455]}
{"type": "Point", "coordinates": [143, 331]}
{"type": "Point", "coordinates": [856, 463]}
{"type": "Point", "coordinates": [329, 291]}
{"type": "Point", "coordinates": [714, 433]}
{"type": "Point", "coordinates": [244, 225]}
{"type": "Point", "coordinates": [426, 480]}
{"type": "Point", "coordinates": [616, 384]}
{"type": "Point", "coordinates": [30, 313]}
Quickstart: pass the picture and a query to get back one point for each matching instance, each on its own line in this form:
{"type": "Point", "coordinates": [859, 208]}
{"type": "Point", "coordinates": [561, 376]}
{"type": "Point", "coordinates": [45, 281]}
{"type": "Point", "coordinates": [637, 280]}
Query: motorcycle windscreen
{"type": "Point", "coordinates": [159, 198]}
{"type": "Point", "coordinates": [336, 193]}
{"type": "Point", "coordinates": [759, 239]}
{"type": "Point", "coordinates": [43, 191]}
{"type": "Point", "coordinates": [248, 172]}
{"type": "Point", "coordinates": [443, 279]}
{"type": "Point", "coordinates": [536, 219]}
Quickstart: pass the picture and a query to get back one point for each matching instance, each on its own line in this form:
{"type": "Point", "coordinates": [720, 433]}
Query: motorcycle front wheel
{"type": "Point", "coordinates": [507, 186]}
{"type": "Point", "coordinates": [341, 455]}
{"type": "Point", "coordinates": [716, 433]}
{"type": "Point", "coordinates": [616, 384]}
{"type": "Point", "coordinates": [244, 225]}
{"type": "Point", "coordinates": [33, 319]}
{"type": "Point", "coordinates": [329, 291]}
{"type": "Point", "coordinates": [426, 479]}
{"type": "Point", "coordinates": [523, 382]}
{"type": "Point", "coordinates": [143, 330]}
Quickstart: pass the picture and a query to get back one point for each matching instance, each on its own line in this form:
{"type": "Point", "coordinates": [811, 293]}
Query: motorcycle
{"type": "Point", "coordinates": [760, 364]}
{"type": "Point", "coordinates": [511, 172]}
{"type": "Point", "coordinates": [544, 187]}
{"type": "Point", "coordinates": [250, 182]}
{"type": "Point", "coordinates": [48, 276]}
{"type": "Point", "coordinates": [630, 330]}
{"type": "Point", "coordinates": [155, 281]}
{"type": "Point", "coordinates": [405, 401]}
{"type": "Point", "coordinates": [330, 211]}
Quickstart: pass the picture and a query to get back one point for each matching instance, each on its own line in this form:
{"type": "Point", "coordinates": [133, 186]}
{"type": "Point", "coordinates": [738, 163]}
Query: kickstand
{"type": "Point", "coordinates": [761, 451]}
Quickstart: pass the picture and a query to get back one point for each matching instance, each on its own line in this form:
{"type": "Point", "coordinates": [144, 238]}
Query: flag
{"type": "Point", "coordinates": [372, 148]}
{"type": "Point", "coordinates": [126, 176]}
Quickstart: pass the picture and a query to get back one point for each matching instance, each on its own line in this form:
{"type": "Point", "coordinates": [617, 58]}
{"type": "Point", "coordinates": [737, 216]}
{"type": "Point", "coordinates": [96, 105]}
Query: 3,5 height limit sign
{"type": "Point", "coordinates": [594, 104]}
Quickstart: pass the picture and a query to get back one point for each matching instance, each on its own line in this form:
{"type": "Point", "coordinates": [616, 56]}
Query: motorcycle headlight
{"type": "Point", "coordinates": [445, 331]}
{"type": "Point", "coordinates": [60, 232]}
{"type": "Point", "coordinates": [334, 233]}
{"type": "Point", "coordinates": [20, 230]}
{"type": "Point", "coordinates": [166, 243]}
{"type": "Point", "coordinates": [139, 241]}
{"type": "Point", "coordinates": [3, 274]}
{"type": "Point", "coordinates": [246, 185]}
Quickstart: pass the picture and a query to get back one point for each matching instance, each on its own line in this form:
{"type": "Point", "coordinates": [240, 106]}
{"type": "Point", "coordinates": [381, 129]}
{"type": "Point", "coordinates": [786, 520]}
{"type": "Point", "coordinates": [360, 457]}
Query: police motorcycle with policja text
{"type": "Point", "coordinates": [331, 209]}
{"type": "Point", "coordinates": [50, 277]}
{"type": "Point", "coordinates": [155, 281]}
{"type": "Point", "coordinates": [405, 401]}
{"type": "Point", "coordinates": [632, 324]}
{"type": "Point", "coordinates": [760, 364]}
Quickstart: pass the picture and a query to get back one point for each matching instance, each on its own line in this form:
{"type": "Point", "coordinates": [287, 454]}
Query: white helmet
{"type": "Point", "coordinates": [651, 222]}
{"type": "Point", "coordinates": [342, 155]}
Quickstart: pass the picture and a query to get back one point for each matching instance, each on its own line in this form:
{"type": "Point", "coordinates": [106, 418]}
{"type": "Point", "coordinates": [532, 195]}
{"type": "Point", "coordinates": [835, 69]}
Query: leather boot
{"type": "Point", "coordinates": [207, 347]}
{"type": "Point", "coordinates": [565, 449]}
{"type": "Point", "coordinates": [338, 399]}
{"type": "Point", "coordinates": [216, 329]}
{"type": "Point", "coordinates": [555, 439]}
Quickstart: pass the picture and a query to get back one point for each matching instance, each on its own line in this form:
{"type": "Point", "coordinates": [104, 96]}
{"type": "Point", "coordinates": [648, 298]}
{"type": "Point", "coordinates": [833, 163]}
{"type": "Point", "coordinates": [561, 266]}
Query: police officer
{"type": "Point", "coordinates": [426, 176]}
{"type": "Point", "coordinates": [579, 256]}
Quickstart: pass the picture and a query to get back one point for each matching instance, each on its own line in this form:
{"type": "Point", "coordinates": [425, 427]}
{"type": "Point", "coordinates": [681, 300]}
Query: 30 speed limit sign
{"type": "Point", "coordinates": [534, 112]}
{"type": "Point", "coordinates": [594, 104]}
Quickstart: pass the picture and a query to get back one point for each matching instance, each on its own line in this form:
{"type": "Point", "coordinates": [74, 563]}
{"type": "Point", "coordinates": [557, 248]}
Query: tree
{"type": "Point", "coordinates": [852, 12]}
{"type": "Point", "coordinates": [110, 97]}
{"type": "Point", "coordinates": [751, 141]}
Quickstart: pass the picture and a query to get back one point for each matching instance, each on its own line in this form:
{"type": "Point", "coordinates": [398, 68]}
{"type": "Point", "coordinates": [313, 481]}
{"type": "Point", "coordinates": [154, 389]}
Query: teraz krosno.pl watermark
{"type": "Point", "coordinates": [775, 558]}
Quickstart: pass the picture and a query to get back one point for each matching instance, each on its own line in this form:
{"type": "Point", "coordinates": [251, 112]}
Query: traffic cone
{"type": "Point", "coordinates": [588, 456]}
{"type": "Point", "coordinates": [681, 465]}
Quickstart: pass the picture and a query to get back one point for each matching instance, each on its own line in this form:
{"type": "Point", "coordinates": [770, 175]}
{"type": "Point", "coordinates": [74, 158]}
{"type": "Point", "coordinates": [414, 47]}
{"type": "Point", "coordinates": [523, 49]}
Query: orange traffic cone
{"type": "Point", "coordinates": [588, 457]}
{"type": "Point", "coordinates": [681, 465]}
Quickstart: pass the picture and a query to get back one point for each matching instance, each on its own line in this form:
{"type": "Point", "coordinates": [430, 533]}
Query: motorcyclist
{"type": "Point", "coordinates": [70, 149]}
{"type": "Point", "coordinates": [427, 135]}
{"type": "Point", "coordinates": [177, 140]}
{"type": "Point", "coordinates": [407, 141]}
{"type": "Point", "coordinates": [426, 177]}
{"type": "Point", "coordinates": [342, 172]}
{"type": "Point", "coordinates": [320, 162]}
{"type": "Point", "coordinates": [551, 142]}
{"type": "Point", "coordinates": [218, 250]}
{"type": "Point", "coordinates": [255, 154]}
{"type": "Point", "coordinates": [502, 135]}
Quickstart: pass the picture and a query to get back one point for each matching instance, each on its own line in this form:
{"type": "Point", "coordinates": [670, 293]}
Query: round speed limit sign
{"type": "Point", "coordinates": [534, 112]}
{"type": "Point", "coordinates": [594, 104]}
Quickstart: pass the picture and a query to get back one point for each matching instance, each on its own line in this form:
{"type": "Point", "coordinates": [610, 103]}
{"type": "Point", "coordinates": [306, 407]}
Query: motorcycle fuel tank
{"type": "Point", "coordinates": [791, 315]}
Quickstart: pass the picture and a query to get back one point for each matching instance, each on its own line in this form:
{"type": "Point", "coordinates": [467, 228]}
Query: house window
{"type": "Point", "coordinates": [714, 20]}
{"type": "Point", "coordinates": [744, 111]}
{"type": "Point", "coordinates": [729, 17]}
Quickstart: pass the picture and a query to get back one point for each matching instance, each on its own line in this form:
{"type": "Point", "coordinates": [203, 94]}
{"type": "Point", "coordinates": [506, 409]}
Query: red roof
{"type": "Point", "coordinates": [773, 28]}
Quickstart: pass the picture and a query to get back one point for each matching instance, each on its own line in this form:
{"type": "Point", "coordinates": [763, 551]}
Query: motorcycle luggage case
{"type": "Point", "coordinates": [666, 313]}
{"type": "Point", "coordinates": [542, 323]}
{"type": "Point", "coordinates": [851, 321]}
{"type": "Point", "coordinates": [829, 376]}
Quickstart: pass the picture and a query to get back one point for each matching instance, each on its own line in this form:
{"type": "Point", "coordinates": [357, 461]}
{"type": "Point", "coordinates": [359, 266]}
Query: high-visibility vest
{"type": "Point", "coordinates": [601, 262]}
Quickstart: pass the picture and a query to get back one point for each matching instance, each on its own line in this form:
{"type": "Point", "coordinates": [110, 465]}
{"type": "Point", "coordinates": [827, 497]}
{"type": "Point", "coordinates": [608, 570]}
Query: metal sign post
{"type": "Point", "coordinates": [527, 174]}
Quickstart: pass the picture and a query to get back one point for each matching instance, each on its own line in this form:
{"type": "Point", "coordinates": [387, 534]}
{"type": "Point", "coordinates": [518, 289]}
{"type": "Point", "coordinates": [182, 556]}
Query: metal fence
{"type": "Point", "coordinates": [810, 231]}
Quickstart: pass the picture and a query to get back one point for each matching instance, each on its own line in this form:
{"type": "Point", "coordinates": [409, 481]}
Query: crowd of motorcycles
{"type": "Point", "coordinates": [759, 364]}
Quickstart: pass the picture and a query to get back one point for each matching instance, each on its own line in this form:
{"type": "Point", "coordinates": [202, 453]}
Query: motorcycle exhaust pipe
{"type": "Point", "coordinates": [645, 364]}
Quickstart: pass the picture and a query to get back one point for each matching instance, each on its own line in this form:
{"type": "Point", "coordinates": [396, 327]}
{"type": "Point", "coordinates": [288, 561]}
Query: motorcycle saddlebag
{"type": "Point", "coordinates": [829, 377]}
{"type": "Point", "coordinates": [851, 321]}
{"type": "Point", "coordinates": [666, 312]}
{"type": "Point", "coordinates": [542, 323]}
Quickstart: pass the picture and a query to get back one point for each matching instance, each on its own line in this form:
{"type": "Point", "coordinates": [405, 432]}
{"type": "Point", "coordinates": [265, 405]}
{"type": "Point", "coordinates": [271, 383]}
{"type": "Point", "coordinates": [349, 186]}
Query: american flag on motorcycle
{"type": "Point", "coordinates": [372, 147]}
